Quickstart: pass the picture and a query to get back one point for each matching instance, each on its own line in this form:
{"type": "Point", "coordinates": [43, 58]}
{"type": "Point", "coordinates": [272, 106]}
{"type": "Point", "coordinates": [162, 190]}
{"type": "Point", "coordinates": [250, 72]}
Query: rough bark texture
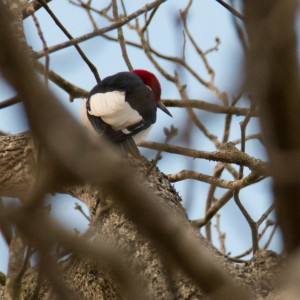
{"type": "Point", "coordinates": [16, 162]}
{"type": "Point", "coordinates": [161, 279]}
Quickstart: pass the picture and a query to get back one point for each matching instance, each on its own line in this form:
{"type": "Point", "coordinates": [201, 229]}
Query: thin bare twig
{"type": "Point", "coordinates": [148, 21]}
{"type": "Point", "coordinates": [79, 208]}
{"type": "Point", "coordinates": [210, 197]}
{"type": "Point", "coordinates": [221, 235]}
{"type": "Point", "coordinates": [214, 209]}
{"type": "Point", "coordinates": [31, 8]}
{"type": "Point", "coordinates": [225, 184]}
{"type": "Point", "coordinates": [243, 126]}
{"type": "Point", "coordinates": [10, 102]}
{"type": "Point", "coordinates": [251, 222]}
{"type": "Point", "coordinates": [261, 234]}
{"type": "Point", "coordinates": [87, 6]}
{"type": "Point", "coordinates": [231, 9]}
{"type": "Point", "coordinates": [265, 214]}
{"type": "Point", "coordinates": [45, 47]}
{"type": "Point", "coordinates": [270, 237]}
{"type": "Point", "coordinates": [121, 36]}
{"type": "Point", "coordinates": [207, 106]}
{"type": "Point", "coordinates": [100, 31]}
{"type": "Point", "coordinates": [66, 32]}
{"type": "Point", "coordinates": [71, 89]}
{"type": "Point", "coordinates": [249, 137]}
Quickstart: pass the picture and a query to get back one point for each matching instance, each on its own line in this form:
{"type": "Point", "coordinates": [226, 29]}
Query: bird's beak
{"type": "Point", "coordinates": [163, 108]}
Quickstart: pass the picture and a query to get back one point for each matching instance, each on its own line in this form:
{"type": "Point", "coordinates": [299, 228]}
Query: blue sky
{"type": "Point", "coordinates": [207, 20]}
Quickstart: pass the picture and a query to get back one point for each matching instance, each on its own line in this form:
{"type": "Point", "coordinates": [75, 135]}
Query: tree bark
{"type": "Point", "coordinates": [159, 276]}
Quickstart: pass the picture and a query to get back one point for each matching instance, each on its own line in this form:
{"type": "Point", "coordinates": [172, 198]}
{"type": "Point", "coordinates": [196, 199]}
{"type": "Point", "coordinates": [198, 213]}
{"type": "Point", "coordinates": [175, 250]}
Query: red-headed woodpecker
{"type": "Point", "coordinates": [123, 107]}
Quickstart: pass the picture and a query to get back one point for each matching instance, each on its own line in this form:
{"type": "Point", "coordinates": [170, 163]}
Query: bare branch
{"type": "Point", "coordinates": [252, 224]}
{"type": "Point", "coordinates": [231, 9]}
{"type": "Point", "coordinates": [121, 36]}
{"type": "Point", "coordinates": [100, 31]}
{"type": "Point", "coordinates": [225, 184]}
{"type": "Point", "coordinates": [231, 155]}
{"type": "Point", "coordinates": [45, 47]}
{"type": "Point", "coordinates": [31, 8]}
{"type": "Point", "coordinates": [66, 32]}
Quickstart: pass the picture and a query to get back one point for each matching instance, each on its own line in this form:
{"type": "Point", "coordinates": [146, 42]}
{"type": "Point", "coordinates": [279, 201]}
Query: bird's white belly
{"type": "Point", "coordinates": [113, 109]}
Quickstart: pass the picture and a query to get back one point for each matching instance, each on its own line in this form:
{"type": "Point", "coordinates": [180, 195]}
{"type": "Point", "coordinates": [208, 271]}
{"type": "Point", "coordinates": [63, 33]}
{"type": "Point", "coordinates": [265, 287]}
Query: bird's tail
{"type": "Point", "coordinates": [128, 146]}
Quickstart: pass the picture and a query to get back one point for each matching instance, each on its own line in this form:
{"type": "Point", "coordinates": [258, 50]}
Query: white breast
{"type": "Point", "coordinates": [113, 109]}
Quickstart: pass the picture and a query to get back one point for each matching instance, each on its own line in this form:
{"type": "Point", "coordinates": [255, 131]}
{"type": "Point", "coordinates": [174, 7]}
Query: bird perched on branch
{"type": "Point", "coordinates": [123, 107]}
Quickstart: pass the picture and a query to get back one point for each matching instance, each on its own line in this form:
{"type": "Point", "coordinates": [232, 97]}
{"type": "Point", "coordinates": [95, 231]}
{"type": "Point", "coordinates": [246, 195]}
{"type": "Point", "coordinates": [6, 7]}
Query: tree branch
{"type": "Point", "coordinates": [230, 155]}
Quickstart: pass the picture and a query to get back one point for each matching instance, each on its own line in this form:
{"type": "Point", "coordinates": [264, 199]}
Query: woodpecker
{"type": "Point", "coordinates": [123, 107]}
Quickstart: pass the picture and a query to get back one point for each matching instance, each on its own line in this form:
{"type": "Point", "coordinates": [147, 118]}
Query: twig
{"type": "Point", "coordinates": [227, 126]}
{"type": "Point", "coordinates": [222, 183]}
{"type": "Point", "coordinates": [265, 214]}
{"type": "Point", "coordinates": [100, 31]}
{"type": "Point", "coordinates": [221, 235]}
{"type": "Point", "coordinates": [257, 136]}
{"type": "Point", "coordinates": [213, 210]}
{"type": "Point", "coordinates": [213, 48]}
{"type": "Point", "coordinates": [270, 237]}
{"type": "Point", "coordinates": [260, 235]}
{"type": "Point", "coordinates": [71, 89]}
{"type": "Point", "coordinates": [209, 69]}
{"type": "Point", "coordinates": [10, 101]}
{"type": "Point", "coordinates": [251, 222]}
{"type": "Point", "coordinates": [79, 208]}
{"type": "Point", "coordinates": [31, 8]}
{"type": "Point", "coordinates": [88, 9]}
{"type": "Point", "coordinates": [234, 156]}
{"type": "Point", "coordinates": [66, 32]}
{"type": "Point", "coordinates": [243, 126]}
{"type": "Point", "coordinates": [146, 47]}
{"type": "Point", "coordinates": [45, 47]}
{"type": "Point", "coordinates": [121, 36]}
{"type": "Point", "coordinates": [231, 9]}
{"type": "Point", "coordinates": [241, 34]}
{"type": "Point", "coordinates": [210, 197]}
{"type": "Point", "coordinates": [148, 21]}
{"type": "Point", "coordinates": [207, 106]}
{"type": "Point", "coordinates": [87, 6]}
